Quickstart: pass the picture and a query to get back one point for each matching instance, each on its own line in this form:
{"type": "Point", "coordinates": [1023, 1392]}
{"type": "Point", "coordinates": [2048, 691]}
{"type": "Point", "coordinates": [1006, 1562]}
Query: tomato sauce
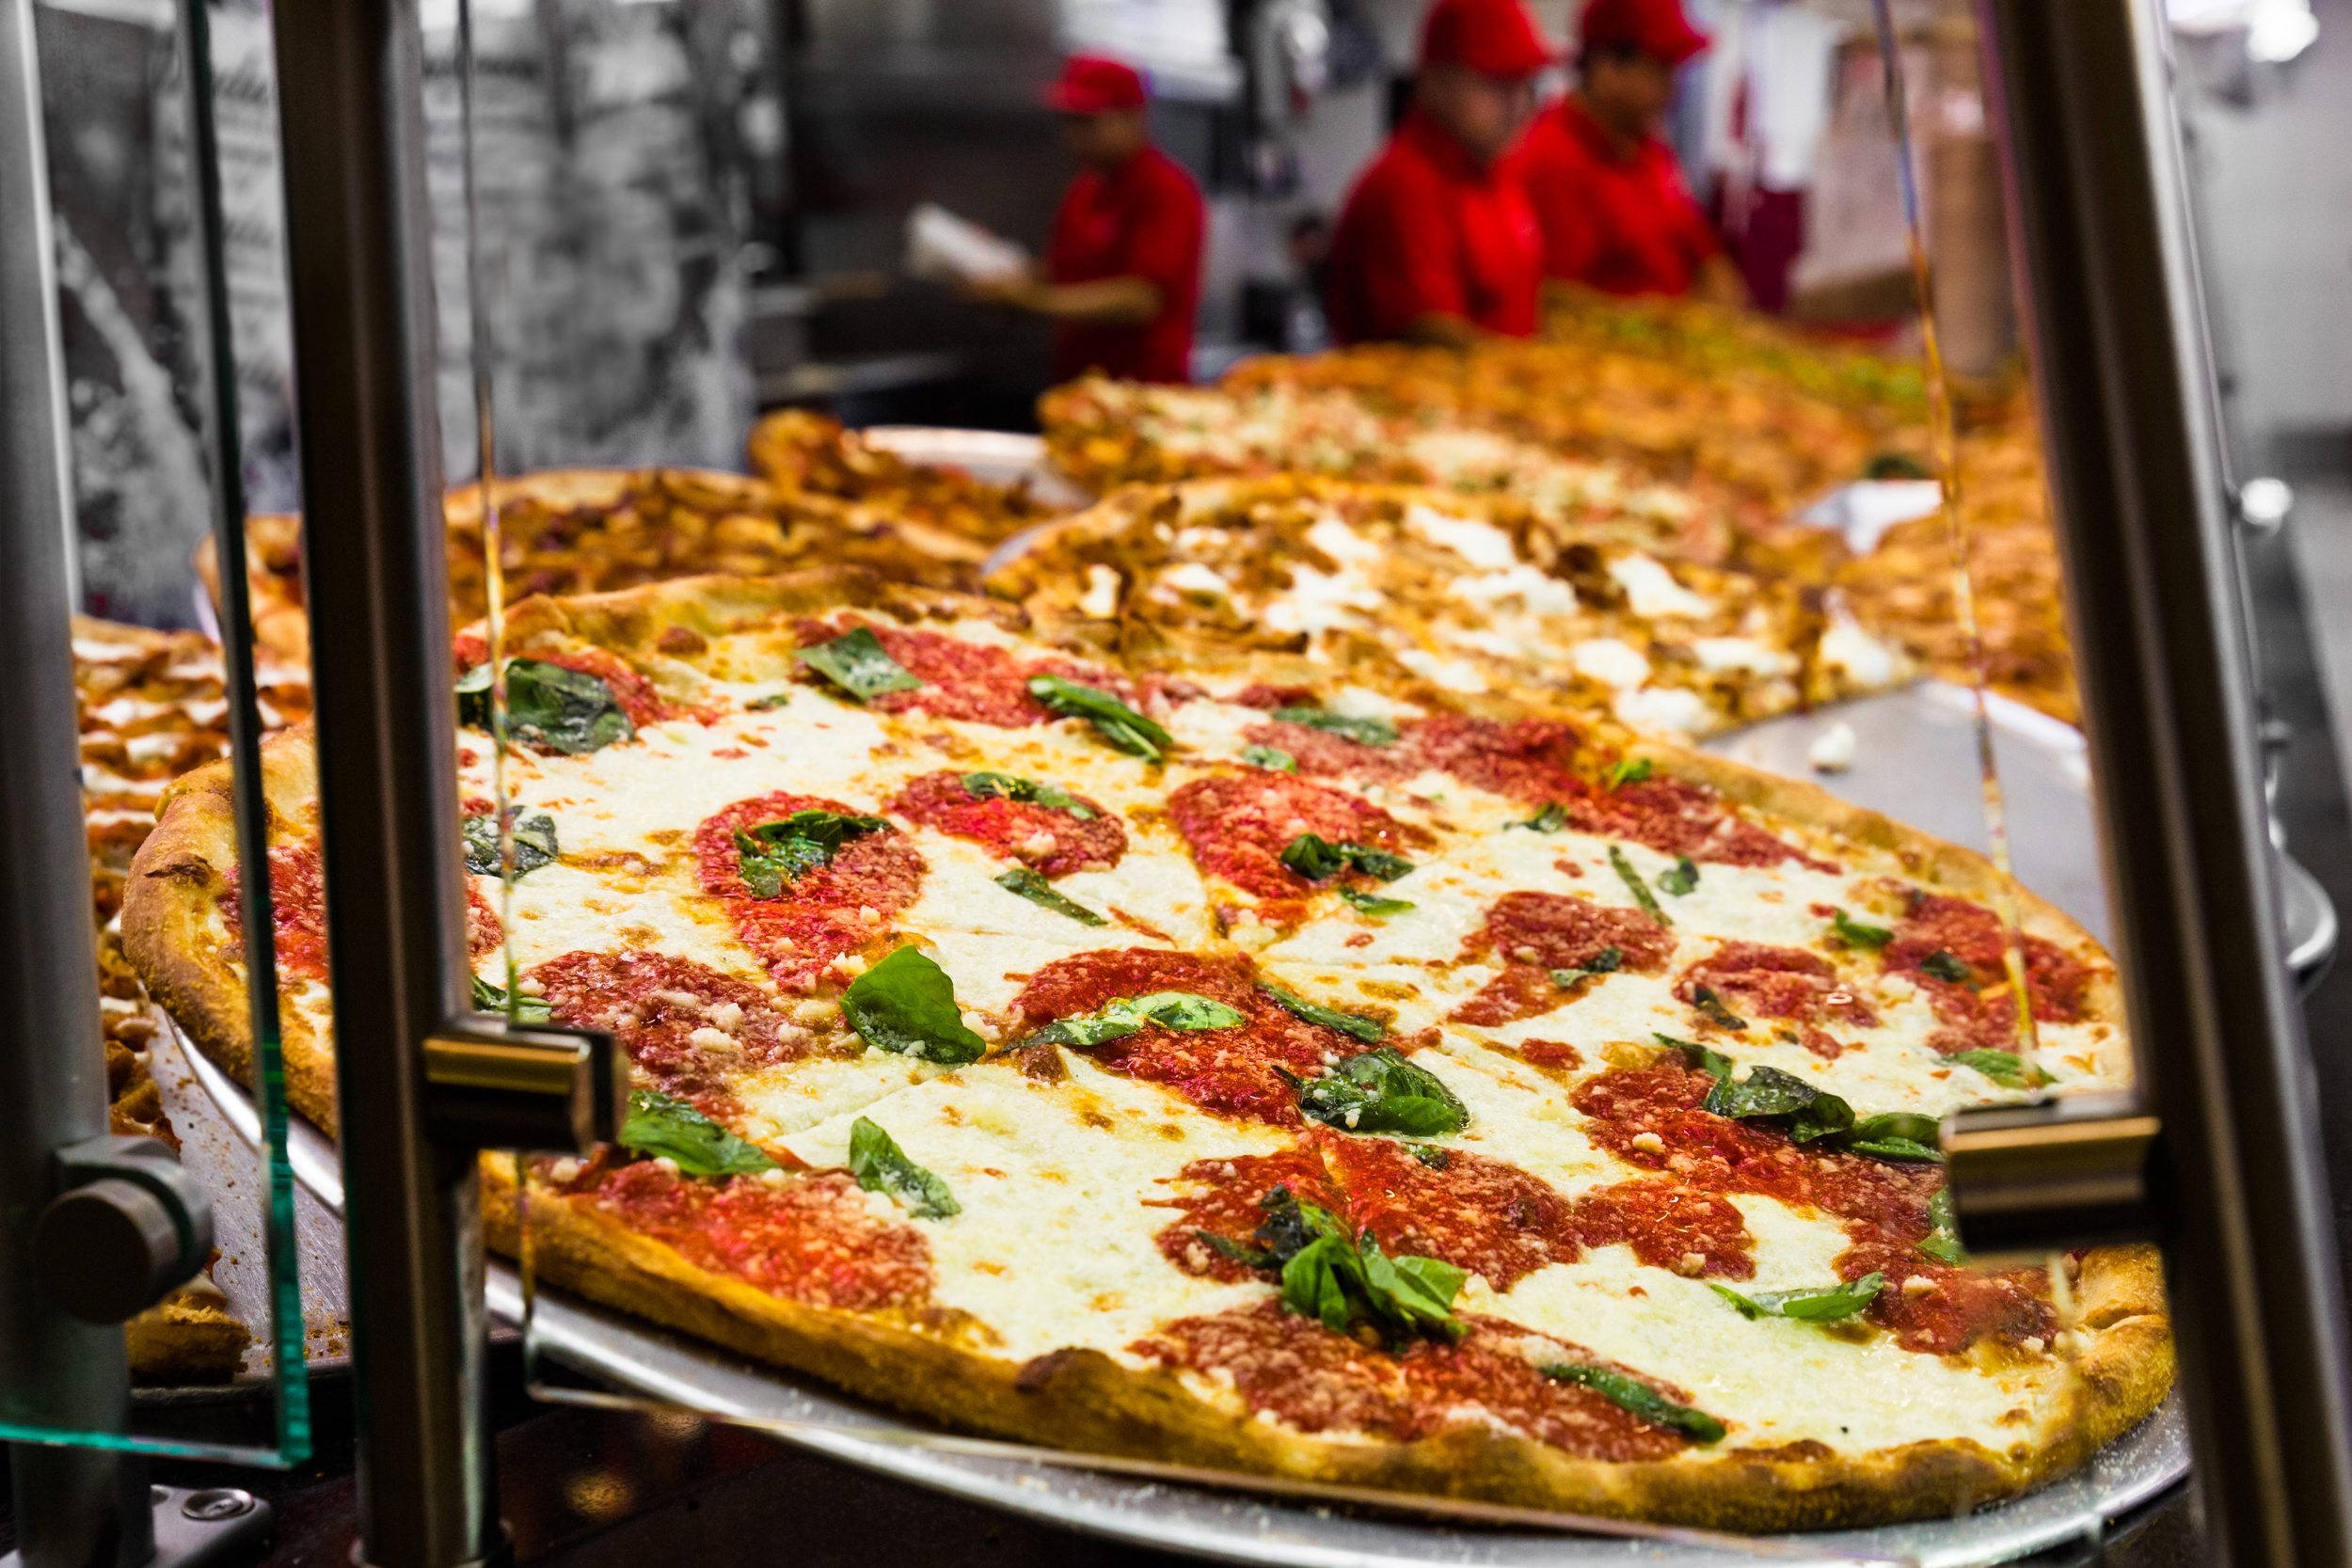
{"type": "Point", "coordinates": [1753, 979]}
{"type": "Point", "coordinates": [823, 915]}
{"type": "Point", "coordinates": [686, 1027]}
{"type": "Point", "coordinates": [1295, 1368]}
{"type": "Point", "coordinates": [1980, 1013]}
{"type": "Point", "coordinates": [1237, 1072]}
{"type": "Point", "coordinates": [1650, 1118]}
{"type": "Point", "coordinates": [1670, 1226]}
{"type": "Point", "coordinates": [1477, 1214]}
{"type": "Point", "coordinates": [809, 1238]}
{"type": "Point", "coordinates": [1053, 842]}
{"type": "Point", "coordinates": [1231, 1204]}
{"type": "Point", "coordinates": [973, 681]}
{"type": "Point", "coordinates": [1675, 817]}
{"type": "Point", "coordinates": [297, 891]}
{"type": "Point", "coordinates": [1535, 761]}
{"type": "Point", "coordinates": [1321, 754]}
{"type": "Point", "coordinates": [1238, 825]}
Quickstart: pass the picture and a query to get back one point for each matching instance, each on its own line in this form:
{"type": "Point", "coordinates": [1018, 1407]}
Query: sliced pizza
{"type": "Point", "coordinates": [1351, 1089]}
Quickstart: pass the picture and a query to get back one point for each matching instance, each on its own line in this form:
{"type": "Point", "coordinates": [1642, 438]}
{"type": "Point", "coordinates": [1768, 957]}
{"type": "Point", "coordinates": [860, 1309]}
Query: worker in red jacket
{"type": "Point", "coordinates": [1438, 243]}
{"type": "Point", "coordinates": [1608, 192]}
{"type": "Point", "coordinates": [1122, 273]}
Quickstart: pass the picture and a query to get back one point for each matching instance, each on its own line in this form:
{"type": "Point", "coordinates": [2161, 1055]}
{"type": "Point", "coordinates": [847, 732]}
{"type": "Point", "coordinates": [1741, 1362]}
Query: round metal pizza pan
{"type": "Point", "coordinates": [646, 1363]}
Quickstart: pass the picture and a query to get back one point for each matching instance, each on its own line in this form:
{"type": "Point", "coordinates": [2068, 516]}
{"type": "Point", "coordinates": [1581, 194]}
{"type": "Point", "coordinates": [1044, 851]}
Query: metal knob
{"type": "Point", "coordinates": [129, 1226]}
{"type": "Point", "coordinates": [2067, 1172]}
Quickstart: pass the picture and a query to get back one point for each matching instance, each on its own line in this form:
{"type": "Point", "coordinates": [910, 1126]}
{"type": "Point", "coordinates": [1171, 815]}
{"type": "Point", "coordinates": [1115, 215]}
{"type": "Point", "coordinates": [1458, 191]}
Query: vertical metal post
{"type": "Point", "coordinates": [2092, 155]}
{"type": "Point", "coordinates": [357, 241]}
{"type": "Point", "coordinates": [75, 1507]}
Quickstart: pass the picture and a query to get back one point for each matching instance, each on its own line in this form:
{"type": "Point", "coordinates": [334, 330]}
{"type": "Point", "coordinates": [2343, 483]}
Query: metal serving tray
{"type": "Point", "coordinates": [1915, 756]}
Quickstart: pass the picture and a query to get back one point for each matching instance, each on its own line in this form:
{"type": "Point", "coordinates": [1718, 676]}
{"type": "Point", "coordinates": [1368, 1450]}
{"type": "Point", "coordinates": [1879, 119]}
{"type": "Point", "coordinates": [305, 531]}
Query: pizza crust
{"type": "Point", "coordinates": [935, 1364]}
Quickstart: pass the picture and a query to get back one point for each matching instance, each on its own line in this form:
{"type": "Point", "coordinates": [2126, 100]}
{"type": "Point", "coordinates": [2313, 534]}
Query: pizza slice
{"type": "Point", "coordinates": [1424, 593]}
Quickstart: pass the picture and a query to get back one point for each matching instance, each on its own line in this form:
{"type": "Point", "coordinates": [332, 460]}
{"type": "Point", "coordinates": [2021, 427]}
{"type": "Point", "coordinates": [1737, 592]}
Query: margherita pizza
{"type": "Point", "coordinates": [1246, 1068]}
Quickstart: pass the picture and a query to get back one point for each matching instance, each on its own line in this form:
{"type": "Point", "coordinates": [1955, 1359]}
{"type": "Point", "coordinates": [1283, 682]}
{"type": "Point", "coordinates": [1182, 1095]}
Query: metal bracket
{"type": "Point", "coordinates": [127, 1224]}
{"type": "Point", "coordinates": [2069, 1172]}
{"type": "Point", "coordinates": [490, 1084]}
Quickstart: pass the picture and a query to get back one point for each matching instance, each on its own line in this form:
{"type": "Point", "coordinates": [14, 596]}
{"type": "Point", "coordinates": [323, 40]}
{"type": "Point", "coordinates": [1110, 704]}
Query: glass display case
{"type": "Point", "coordinates": [1659, 938]}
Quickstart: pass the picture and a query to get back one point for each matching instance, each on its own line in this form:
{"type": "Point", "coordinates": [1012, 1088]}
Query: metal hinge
{"type": "Point", "coordinates": [540, 1086]}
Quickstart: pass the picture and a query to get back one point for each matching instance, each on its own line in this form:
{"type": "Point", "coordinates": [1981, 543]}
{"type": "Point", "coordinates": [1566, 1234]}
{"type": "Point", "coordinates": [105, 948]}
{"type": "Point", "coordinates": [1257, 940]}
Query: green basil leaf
{"type": "Point", "coordinates": [1114, 721]}
{"type": "Point", "coordinates": [773, 699]}
{"type": "Point", "coordinates": [1609, 960]}
{"type": "Point", "coordinates": [907, 1003]}
{"type": "Point", "coordinates": [1711, 1008]}
{"type": "Point", "coordinates": [2005, 1067]}
{"type": "Point", "coordinates": [1906, 1126]}
{"type": "Point", "coordinates": [1369, 1030]}
{"type": "Point", "coordinates": [1431, 1155]}
{"type": "Point", "coordinates": [548, 707]}
{"type": "Point", "coordinates": [1315, 1283]}
{"type": "Point", "coordinates": [1380, 1091]}
{"type": "Point", "coordinates": [663, 1126]}
{"type": "Point", "coordinates": [1124, 1016]}
{"type": "Point", "coordinates": [533, 838]}
{"type": "Point", "coordinates": [1006, 787]}
{"type": "Point", "coordinates": [881, 1165]}
{"type": "Point", "coordinates": [1553, 818]}
{"type": "Point", "coordinates": [1827, 1117]}
{"type": "Point", "coordinates": [1248, 1256]}
{"type": "Point", "coordinates": [1025, 883]}
{"type": "Point", "coordinates": [1317, 859]}
{"type": "Point", "coordinates": [1942, 1242]}
{"type": "Point", "coordinates": [488, 998]}
{"type": "Point", "coordinates": [1681, 878]}
{"type": "Point", "coordinates": [1373, 904]}
{"type": "Point", "coordinates": [1314, 857]}
{"type": "Point", "coordinates": [1814, 1307]}
{"type": "Point", "coordinates": [1856, 934]}
{"type": "Point", "coordinates": [1639, 1398]}
{"type": "Point", "coordinates": [1713, 1062]}
{"type": "Point", "coordinates": [1893, 1148]}
{"type": "Point", "coordinates": [1945, 965]}
{"type": "Point", "coordinates": [1272, 758]}
{"type": "Point", "coordinates": [855, 662]}
{"type": "Point", "coordinates": [1363, 731]}
{"type": "Point", "coordinates": [1415, 1292]}
{"type": "Point", "coordinates": [776, 854]}
{"type": "Point", "coordinates": [1633, 879]}
{"type": "Point", "coordinates": [1631, 770]}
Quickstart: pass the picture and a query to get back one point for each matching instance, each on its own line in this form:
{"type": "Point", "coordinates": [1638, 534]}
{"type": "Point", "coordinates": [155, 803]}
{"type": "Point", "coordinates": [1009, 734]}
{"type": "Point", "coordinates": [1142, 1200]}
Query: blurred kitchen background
{"type": "Point", "coordinates": [691, 210]}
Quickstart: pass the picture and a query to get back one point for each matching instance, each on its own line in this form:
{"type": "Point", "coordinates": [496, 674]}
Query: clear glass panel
{"type": "Point", "coordinates": [157, 264]}
{"type": "Point", "coordinates": [1436, 879]}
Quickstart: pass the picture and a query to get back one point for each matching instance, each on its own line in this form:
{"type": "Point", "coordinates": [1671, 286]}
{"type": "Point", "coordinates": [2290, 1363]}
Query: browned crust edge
{"type": "Point", "coordinates": [1085, 1399]}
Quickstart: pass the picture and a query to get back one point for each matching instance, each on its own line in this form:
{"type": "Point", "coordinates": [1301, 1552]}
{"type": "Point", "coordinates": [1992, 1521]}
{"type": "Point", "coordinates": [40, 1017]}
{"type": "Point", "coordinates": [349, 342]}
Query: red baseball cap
{"type": "Point", "coordinates": [1495, 37]}
{"type": "Point", "coordinates": [1095, 84]}
{"type": "Point", "coordinates": [1656, 27]}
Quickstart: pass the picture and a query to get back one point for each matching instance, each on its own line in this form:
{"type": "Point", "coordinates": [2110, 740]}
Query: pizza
{"type": "Point", "coordinates": [1415, 590]}
{"type": "Point", "coordinates": [1904, 587]}
{"type": "Point", "coordinates": [1244, 1066]}
{"type": "Point", "coordinates": [823, 497]}
{"type": "Point", "coordinates": [152, 707]}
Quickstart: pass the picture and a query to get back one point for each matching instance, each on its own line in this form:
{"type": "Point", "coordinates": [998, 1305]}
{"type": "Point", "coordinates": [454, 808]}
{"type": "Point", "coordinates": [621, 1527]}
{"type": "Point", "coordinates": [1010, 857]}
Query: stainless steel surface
{"type": "Point", "coordinates": [2312, 926]}
{"type": "Point", "coordinates": [649, 1362]}
{"type": "Point", "coordinates": [358, 229]}
{"type": "Point", "coordinates": [1916, 760]}
{"type": "Point", "coordinates": [75, 1508]}
{"type": "Point", "coordinates": [2078, 94]}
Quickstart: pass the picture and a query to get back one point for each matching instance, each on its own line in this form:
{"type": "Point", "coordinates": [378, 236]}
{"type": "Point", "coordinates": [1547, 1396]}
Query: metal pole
{"type": "Point", "coordinates": [75, 1507]}
{"type": "Point", "coordinates": [2082, 105]}
{"type": "Point", "coordinates": [357, 238]}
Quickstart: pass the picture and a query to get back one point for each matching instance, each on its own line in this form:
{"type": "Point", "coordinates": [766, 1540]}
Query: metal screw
{"type": "Point", "coordinates": [216, 1504]}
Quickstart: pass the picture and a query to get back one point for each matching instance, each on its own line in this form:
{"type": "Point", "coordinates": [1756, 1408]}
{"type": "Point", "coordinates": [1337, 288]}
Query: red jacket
{"type": "Point", "coordinates": [1142, 220]}
{"type": "Point", "coordinates": [1425, 231]}
{"type": "Point", "coordinates": [1624, 225]}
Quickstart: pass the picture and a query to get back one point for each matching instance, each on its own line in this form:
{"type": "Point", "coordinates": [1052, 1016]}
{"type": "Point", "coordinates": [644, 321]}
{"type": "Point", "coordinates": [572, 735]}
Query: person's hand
{"type": "Point", "coordinates": [1011, 289]}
